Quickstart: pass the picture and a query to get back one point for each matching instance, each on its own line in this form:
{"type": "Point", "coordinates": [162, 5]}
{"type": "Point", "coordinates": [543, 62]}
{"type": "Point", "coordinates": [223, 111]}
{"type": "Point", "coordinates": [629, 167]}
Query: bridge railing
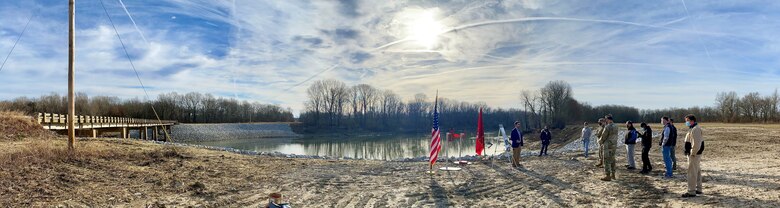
{"type": "Point", "coordinates": [82, 121]}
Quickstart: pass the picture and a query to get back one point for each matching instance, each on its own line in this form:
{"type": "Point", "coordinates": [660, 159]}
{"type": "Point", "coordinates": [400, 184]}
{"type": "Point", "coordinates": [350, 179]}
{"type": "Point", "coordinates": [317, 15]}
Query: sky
{"type": "Point", "coordinates": [644, 54]}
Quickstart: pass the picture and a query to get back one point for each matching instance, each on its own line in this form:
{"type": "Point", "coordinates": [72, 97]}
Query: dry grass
{"type": "Point", "coordinates": [17, 126]}
{"type": "Point", "coordinates": [109, 172]}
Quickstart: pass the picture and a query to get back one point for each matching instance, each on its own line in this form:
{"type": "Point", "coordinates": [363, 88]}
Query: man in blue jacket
{"type": "Point", "coordinates": [545, 137]}
{"type": "Point", "coordinates": [517, 143]}
{"type": "Point", "coordinates": [667, 145]}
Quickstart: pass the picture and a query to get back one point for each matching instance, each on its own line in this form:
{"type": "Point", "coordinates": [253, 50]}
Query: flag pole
{"type": "Point", "coordinates": [430, 158]}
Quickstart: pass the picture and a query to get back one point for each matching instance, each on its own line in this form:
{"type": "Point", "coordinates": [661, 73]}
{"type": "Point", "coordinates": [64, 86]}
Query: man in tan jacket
{"type": "Point", "coordinates": [609, 138]}
{"type": "Point", "coordinates": [694, 147]}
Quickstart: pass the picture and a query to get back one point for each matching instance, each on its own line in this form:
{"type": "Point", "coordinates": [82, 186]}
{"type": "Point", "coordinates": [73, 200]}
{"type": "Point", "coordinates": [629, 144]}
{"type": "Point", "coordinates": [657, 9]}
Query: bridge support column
{"type": "Point", "coordinates": [124, 132]}
{"type": "Point", "coordinates": [145, 134]}
{"type": "Point", "coordinates": [94, 133]}
{"type": "Point", "coordinates": [167, 132]}
{"type": "Point", "coordinates": [155, 133]}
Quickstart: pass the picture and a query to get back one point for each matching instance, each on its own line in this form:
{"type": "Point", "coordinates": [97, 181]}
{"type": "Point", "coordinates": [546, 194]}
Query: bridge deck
{"type": "Point", "coordinates": [97, 124]}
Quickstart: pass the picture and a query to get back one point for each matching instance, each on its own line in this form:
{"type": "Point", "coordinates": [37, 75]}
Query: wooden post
{"type": "Point", "coordinates": [155, 133]}
{"type": "Point", "coordinates": [145, 136]}
{"type": "Point", "coordinates": [71, 72]}
{"type": "Point", "coordinates": [94, 133]}
{"type": "Point", "coordinates": [124, 133]}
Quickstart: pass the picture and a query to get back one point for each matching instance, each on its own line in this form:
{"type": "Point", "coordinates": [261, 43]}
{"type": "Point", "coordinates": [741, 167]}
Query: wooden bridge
{"type": "Point", "coordinates": [95, 126]}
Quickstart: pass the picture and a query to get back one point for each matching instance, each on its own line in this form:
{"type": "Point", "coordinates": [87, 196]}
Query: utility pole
{"type": "Point", "coordinates": [71, 73]}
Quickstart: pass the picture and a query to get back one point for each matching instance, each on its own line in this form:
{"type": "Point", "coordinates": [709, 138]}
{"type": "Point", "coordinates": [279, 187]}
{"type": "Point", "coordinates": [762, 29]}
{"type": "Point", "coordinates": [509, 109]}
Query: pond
{"type": "Point", "coordinates": [365, 147]}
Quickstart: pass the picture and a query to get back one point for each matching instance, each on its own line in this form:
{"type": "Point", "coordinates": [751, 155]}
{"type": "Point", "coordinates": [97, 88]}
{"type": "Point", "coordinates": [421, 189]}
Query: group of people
{"type": "Point", "coordinates": [608, 134]}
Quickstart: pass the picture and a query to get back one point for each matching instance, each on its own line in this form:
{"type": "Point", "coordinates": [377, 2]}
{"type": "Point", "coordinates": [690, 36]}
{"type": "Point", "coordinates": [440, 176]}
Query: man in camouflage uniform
{"type": "Point", "coordinates": [601, 147]}
{"type": "Point", "coordinates": [609, 138]}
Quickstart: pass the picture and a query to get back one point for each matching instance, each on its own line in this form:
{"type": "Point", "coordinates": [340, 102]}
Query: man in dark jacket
{"type": "Point", "coordinates": [517, 143]}
{"type": "Point", "coordinates": [647, 143]}
{"type": "Point", "coordinates": [545, 136]}
{"type": "Point", "coordinates": [667, 140]}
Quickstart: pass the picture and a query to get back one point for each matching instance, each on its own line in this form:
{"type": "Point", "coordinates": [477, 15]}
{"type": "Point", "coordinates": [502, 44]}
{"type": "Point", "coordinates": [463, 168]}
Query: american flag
{"type": "Point", "coordinates": [435, 137]}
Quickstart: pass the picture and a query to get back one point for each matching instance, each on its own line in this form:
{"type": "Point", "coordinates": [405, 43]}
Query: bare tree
{"type": "Point", "coordinates": [726, 103]}
{"type": "Point", "coordinates": [750, 106]}
{"type": "Point", "coordinates": [367, 95]}
{"type": "Point", "coordinates": [554, 96]}
{"type": "Point", "coordinates": [530, 104]}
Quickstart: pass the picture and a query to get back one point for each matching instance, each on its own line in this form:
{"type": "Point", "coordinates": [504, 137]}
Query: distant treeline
{"type": "Point", "coordinates": [334, 106]}
{"type": "Point", "coordinates": [191, 107]}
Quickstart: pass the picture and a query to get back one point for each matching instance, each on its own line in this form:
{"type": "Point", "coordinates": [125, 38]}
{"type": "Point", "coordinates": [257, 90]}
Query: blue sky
{"type": "Point", "coordinates": [649, 55]}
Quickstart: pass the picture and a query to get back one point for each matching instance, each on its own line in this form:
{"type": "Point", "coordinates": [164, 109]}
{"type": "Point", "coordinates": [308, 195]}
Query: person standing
{"type": "Point", "coordinates": [667, 147]}
{"type": "Point", "coordinates": [601, 122]}
{"type": "Point", "coordinates": [545, 136]}
{"type": "Point", "coordinates": [609, 140]}
{"type": "Point", "coordinates": [630, 142]}
{"type": "Point", "coordinates": [673, 143]}
{"type": "Point", "coordinates": [694, 147]}
{"type": "Point", "coordinates": [586, 132]}
{"type": "Point", "coordinates": [517, 143]}
{"type": "Point", "coordinates": [647, 143]}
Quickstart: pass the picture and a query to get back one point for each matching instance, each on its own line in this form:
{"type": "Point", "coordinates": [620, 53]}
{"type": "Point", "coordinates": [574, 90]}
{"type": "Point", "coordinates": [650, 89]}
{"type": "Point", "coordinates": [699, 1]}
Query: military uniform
{"type": "Point", "coordinates": [601, 147]}
{"type": "Point", "coordinates": [609, 138]}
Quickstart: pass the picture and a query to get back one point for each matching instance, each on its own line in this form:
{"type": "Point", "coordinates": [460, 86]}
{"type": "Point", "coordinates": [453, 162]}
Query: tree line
{"type": "Point", "coordinates": [332, 105]}
{"type": "Point", "coordinates": [191, 107]}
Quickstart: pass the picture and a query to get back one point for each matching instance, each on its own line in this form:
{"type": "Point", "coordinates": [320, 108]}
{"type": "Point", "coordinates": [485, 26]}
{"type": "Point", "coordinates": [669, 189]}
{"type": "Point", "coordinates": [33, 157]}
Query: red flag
{"type": "Point", "coordinates": [452, 135]}
{"type": "Point", "coordinates": [480, 134]}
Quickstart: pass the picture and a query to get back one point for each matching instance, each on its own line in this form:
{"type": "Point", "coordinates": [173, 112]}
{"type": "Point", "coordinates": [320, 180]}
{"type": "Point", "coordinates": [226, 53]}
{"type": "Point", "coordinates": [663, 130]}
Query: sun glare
{"type": "Point", "coordinates": [424, 29]}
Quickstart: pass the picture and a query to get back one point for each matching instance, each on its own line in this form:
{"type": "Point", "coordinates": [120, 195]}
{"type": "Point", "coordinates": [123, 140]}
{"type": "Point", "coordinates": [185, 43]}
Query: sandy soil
{"type": "Point", "coordinates": [741, 168]}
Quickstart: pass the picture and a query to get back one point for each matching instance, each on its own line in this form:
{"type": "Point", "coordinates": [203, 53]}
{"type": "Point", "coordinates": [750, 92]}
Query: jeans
{"type": "Point", "coordinates": [646, 166]}
{"type": "Point", "coordinates": [667, 152]}
{"type": "Point", "coordinates": [630, 155]}
{"type": "Point", "coordinates": [586, 144]}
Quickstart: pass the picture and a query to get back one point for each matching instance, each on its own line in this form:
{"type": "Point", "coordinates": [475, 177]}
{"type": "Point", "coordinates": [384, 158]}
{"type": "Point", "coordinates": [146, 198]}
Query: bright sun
{"type": "Point", "coordinates": [423, 28]}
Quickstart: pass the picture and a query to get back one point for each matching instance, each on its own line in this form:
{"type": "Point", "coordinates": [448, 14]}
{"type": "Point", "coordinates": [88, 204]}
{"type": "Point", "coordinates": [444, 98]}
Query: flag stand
{"type": "Point", "coordinates": [446, 155]}
{"type": "Point", "coordinates": [430, 171]}
{"type": "Point", "coordinates": [460, 151]}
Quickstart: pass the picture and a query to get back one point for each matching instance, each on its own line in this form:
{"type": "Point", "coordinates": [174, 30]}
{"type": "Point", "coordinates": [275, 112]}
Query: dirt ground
{"type": "Point", "coordinates": [741, 168]}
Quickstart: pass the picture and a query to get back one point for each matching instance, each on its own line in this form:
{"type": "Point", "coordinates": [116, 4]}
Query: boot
{"type": "Point", "coordinates": [607, 178]}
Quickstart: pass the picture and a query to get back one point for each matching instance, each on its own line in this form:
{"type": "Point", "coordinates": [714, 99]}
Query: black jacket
{"type": "Point", "coordinates": [672, 136]}
{"type": "Point", "coordinates": [647, 138]}
{"type": "Point", "coordinates": [672, 141]}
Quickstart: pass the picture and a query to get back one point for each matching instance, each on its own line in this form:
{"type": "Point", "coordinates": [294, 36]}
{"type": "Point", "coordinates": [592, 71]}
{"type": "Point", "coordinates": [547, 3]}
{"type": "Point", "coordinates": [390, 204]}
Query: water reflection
{"type": "Point", "coordinates": [375, 148]}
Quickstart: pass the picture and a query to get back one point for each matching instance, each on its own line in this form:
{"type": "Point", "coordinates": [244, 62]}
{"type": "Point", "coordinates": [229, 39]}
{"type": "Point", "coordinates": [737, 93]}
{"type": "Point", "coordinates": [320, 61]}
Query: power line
{"type": "Point", "coordinates": [133, 66]}
{"type": "Point", "coordinates": [17, 39]}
